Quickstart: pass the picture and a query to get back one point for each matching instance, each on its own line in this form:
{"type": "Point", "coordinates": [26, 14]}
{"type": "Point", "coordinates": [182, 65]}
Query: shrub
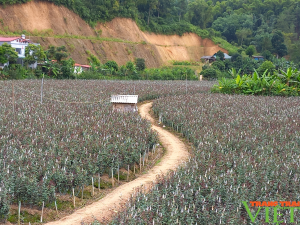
{"type": "Point", "coordinates": [111, 65]}
{"type": "Point", "coordinates": [209, 73]}
{"type": "Point", "coordinates": [140, 64]}
{"type": "Point", "coordinates": [250, 50]}
{"type": "Point", "coordinates": [267, 55]}
{"type": "Point", "coordinates": [218, 64]}
{"type": "Point", "coordinates": [266, 65]}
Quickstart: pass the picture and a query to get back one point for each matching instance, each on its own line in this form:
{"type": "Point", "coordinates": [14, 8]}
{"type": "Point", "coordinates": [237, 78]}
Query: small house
{"type": "Point", "coordinates": [208, 59]}
{"type": "Point", "coordinates": [226, 56]}
{"type": "Point", "coordinates": [78, 68]}
{"type": "Point", "coordinates": [19, 44]}
{"type": "Point", "coordinates": [258, 57]}
{"type": "Point", "coordinates": [124, 103]}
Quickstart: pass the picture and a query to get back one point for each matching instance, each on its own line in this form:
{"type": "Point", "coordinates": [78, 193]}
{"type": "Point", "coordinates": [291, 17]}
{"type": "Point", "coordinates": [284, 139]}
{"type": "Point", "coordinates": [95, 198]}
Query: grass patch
{"type": "Point", "coordinates": [61, 204]}
{"type": "Point", "coordinates": [25, 217]}
{"type": "Point", "coordinates": [103, 184]}
{"type": "Point", "coordinates": [224, 44]}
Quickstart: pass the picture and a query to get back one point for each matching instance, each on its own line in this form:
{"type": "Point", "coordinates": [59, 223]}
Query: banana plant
{"type": "Point", "coordinates": [233, 72]}
{"type": "Point", "coordinates": [253, 85]}
{"type": "Point", "coordinates": [267, 80]}
{"type": "Point", "coordinates": [289, 75]}
{"type": "Point", "coordinates": [224, 86]}
{"type": "Point", "coordinates": [240, 80]}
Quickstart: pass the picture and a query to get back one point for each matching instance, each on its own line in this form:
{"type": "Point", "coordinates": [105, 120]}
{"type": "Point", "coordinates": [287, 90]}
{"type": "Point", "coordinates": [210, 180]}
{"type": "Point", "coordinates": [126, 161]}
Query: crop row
{"type": "Point", "coordinates": [57, 145]}
{"type": "Point", "coordinates": [246, 148]}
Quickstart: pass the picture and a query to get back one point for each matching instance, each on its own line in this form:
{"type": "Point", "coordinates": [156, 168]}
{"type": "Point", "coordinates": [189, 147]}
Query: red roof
{"type": "Point", "coordinates": [8, 39]}
{"type": "Point", "coordinates": [85, 66]}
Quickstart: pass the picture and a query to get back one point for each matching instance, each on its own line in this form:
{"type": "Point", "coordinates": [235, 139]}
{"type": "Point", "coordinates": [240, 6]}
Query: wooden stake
{"type": "Point", "coordinates": [140, 162]}
{"type": "Point", "coordinates": [118, 174]}
{"type": "Point", "coordinates": [82, 192]}
{"type": "Point", "coordinates": [13, 99]}
{"type": "Point", "coordinates": [148, 154]}
{"type": "Point", "coordinates": [112, 177]}
{"type": "Point", "coordinates": [73, 198]}
{"type": "Point", "coordinates": [93, 186]}
{"type": "Point", "coordinates": [42, 89]}
{"type": "Point", "coordinates": [127, 172]}
{"type": "Point", "coordinates": [19, 212]}
{"type": "Point", "coordinates": [42, 212]}
{"type": "Point", "coordinates": [56, 207]}
{"type": "Point", "coordinates": [99, 182]}
{"type": "Point", "coordinates": [134, 168]}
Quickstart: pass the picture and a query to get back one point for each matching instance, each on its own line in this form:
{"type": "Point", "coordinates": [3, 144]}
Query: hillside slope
{"type": "Point", "coordinates": [44, 17]}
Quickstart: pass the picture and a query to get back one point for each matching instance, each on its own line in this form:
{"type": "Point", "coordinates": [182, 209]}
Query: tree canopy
{"type": "Point", "coordinates": [8, 54]}
{"type": "Point", "coordinates": [34, 53]}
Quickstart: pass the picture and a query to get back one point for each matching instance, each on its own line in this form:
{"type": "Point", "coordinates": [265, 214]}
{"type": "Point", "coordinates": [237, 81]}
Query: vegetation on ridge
{"type": "Point", "coordinates": [242, 22]}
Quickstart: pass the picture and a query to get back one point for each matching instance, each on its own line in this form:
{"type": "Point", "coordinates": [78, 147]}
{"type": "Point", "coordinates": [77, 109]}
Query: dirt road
{"type": "Point", "coordinates": [176, 152]}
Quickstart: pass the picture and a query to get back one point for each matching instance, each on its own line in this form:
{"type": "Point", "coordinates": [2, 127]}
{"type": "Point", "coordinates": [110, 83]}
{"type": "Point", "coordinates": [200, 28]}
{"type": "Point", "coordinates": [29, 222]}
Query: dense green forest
{"type": "Point", "coordinates": [271, 26]}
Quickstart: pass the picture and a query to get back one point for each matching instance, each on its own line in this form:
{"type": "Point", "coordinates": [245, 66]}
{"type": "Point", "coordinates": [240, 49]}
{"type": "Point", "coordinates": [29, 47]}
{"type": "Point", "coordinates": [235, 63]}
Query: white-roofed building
{"type": "Point", "coordinates": [124, 103]}
{"type": "Point", "coordinates": [19, 44]}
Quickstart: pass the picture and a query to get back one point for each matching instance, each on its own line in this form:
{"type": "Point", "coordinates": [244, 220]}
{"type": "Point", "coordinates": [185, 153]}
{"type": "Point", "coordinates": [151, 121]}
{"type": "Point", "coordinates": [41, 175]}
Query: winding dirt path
{"type": "Point", "coordinates": [176, 152]}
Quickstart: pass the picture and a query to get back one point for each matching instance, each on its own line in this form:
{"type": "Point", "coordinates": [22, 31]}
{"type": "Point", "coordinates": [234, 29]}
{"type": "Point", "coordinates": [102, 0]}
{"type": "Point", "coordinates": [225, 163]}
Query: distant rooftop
{"type": "Point", "coordinates": [124, 99]}
{"type": "Point", "coordinates": [8, 39]}
{"type": "Point", "coordinates": [85, 66]}
{"type": "Point", "coordinates": [226, 56]}
{"type": "Point", "coordinates": [20, 39]}
{"type": "Point", "coordinates": [206, 57]}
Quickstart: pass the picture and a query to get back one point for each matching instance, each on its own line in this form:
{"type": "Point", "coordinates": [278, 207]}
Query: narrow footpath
{"type": "Point", "coordinates": [176, 153]}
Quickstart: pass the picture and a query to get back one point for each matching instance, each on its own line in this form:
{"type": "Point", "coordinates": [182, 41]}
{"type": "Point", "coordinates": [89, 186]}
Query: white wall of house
{"type": "Point", "coordinates": [20, 47]}
{"type": "Point", "coordinates": [77, 69]}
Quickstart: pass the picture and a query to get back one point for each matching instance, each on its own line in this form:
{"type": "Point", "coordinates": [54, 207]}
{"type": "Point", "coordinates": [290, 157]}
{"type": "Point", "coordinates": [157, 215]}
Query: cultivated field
{"type": "Point", "coordinates": [246, 149]}
{"type": "Point", "coordinates": [72, 136]}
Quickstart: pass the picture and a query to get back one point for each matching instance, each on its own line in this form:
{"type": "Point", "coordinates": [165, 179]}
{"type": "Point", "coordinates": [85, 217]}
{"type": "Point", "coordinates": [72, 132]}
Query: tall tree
{"type": "Point", "coordinates": [181, 6]}
{"type": "Point", "coordinates": [230, 24]}
{"type": "Point", "coordinates": [57, 53]}
{"type": "Point", "coordinates": [200, 13]}
{"type": "Point", "coordinates": [278, 45]}
{"type": "Point", "coordinates": [152, 4]}
{"type": "Point", "coordinates": [286, 21]}
{"type": "Point", "coordinates": [242, 34]}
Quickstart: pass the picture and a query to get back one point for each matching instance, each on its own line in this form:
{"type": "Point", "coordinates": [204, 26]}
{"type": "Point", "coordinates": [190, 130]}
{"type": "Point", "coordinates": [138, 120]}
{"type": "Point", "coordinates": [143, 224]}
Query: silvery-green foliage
{"type": "Point", "coordinates": [246, 148]}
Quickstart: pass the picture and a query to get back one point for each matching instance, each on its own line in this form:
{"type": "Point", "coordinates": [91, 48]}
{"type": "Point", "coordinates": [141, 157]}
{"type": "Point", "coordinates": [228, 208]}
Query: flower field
{"type": "Point", "coordinates": [72, 136]}
{"type": "Point", "coordinates": [246, 148]}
